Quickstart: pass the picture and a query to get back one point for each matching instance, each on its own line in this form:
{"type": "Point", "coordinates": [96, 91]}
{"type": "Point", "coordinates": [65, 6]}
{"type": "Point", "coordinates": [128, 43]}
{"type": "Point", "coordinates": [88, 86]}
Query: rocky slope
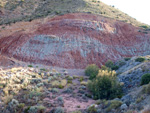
{"type": "Point", "coordinates": [74, 41]}
{"type": "Point", "coordinates": [12, 11]}
{"type": "Point", "coordinates": [35, 89]}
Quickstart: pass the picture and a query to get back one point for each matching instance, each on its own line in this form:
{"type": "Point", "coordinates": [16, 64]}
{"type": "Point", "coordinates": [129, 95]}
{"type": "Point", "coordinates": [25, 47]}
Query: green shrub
{"type": "Point", "coordinates": [36, 109]}
{"type": "Point", "coordinates": [78, 106]}
{"type": "Point", "coordinates": [145, 32]}
{"type": "Point", "coordinates": [76, 112]}
{"type": "Point", "coordinates": [92, 109]}
{"type": "Point", "coordinates": [94, 1]}
{"type": "Point", "coordinates": [59, 110]}
{"type": "Point", "coordinates": [83, 83]}
{"type": "Point", "coordinates": [69, 77]}
{"type": "Point", "coordinates": [115, 67]}
{"type": "Point", "coordinates": [145, 79]}
{"type": "Point", "coordinates": [55, 90]}
{"type": "Point", "coordinates": [139, 99]}
{"type": "Point", "coordinates": [81, 79]}
{"type": "Point", "coordinates": [127, 58]}
{"type": "Point", "coordinates": [109, 64]}
{"type": "Point", "coordinates": [88, 95]}
{"type": "Point", "coordinates": [113, 105]}
{"type": "Point", "coordinates": [121, 63]}
{"type": "Point", "coordinates": [105, 86]}
{"type": "Point", "coordinates": [69, 81]}
{"type": "Point", "coordinates": [60, 86]}
{"type": "Point", "coordinates": [103, 67]}
{"type": "Point", "coordinates": [30, 66]}
{"type": "Point", "coordinates": [140, 59]}
{"type": "Point", "coordinates": [60, 98]}
{"type": "Point", "coordinates": [91, 71]}
{"type": "Point", "coordinates": [146, 89]}
{"type": "Point", "coordinates": [21, 105]}
{"type": "Point", "coordinates": [27, 109]}
{"type": "Point", "coordinates": [145, 26]}
{"type": "Point", "coordinates": [57, 12]}
{"type": "Point", "coordinates": [43, 69]}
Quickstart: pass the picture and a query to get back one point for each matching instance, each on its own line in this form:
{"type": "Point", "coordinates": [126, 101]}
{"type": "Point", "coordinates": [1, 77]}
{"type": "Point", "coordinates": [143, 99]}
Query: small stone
{"type": "Point", "coordinates": [117, 99]}
{"type": "Point", "coordinates": [124, 107]}
{"type": "Point", "coordinates": [65, 73]}
{"type": "Point", "coordinates": [83, 87]}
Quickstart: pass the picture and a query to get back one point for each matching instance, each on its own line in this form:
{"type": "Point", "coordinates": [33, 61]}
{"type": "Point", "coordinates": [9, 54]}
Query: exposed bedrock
{"type": "Point", "coordinates": [76, 40]}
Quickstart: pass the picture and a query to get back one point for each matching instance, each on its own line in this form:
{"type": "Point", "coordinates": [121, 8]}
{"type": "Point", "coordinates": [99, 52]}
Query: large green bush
{"type": "Point", "coordinates": [140, 59]}
{"type": "Point", "coordinates": [145, 79]}
{"type": "Point", "coordinates": [115, 67]}
{"type": "Point", "coordinates": [111, 65]}
{"type": "Point", "coordinates": [91, 71]}
{"type": "Point", "coordinates": [105, 86]}
{"type": "Point", "coordinates": [127, 58]}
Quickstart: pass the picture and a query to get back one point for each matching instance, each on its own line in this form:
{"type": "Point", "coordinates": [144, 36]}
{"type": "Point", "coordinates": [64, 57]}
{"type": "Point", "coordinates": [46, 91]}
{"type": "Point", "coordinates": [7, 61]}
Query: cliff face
{"type": "Point", "coordinates": [76, 40]}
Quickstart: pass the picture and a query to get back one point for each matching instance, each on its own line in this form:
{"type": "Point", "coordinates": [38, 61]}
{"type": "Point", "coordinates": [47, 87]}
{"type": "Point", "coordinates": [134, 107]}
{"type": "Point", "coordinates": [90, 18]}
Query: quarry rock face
{"type": "Point", "coordinates": [76, 40]}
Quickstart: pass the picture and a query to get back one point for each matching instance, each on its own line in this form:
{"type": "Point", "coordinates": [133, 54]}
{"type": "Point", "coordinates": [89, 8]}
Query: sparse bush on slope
{"type": "Point", "coordinates": [127, 58]}
{"type": "Point", "coordinates": [91, 71]}
{"type": "Point", "coordinates": [145, 79]}
{"type": "Point", "coordinates": [140, 59]}
{"type": "Point", "coordinates": [146, 89]}
{"type": "Point", "coordinates": [111, 65]}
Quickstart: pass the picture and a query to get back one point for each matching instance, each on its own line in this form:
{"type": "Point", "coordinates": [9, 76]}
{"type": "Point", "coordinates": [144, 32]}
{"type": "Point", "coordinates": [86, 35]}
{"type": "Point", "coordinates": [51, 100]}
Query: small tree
{"type": "Point", "coordinates": [91, 71]}
{"type": "Point", "coordinates": [145, 79]}
{"type": "Point", "coordinates": [105, 85]}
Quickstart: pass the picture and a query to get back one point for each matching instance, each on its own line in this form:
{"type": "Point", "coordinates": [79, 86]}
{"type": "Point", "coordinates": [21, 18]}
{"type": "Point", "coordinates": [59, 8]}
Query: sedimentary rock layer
{"type": "Point", "coordinates": [76, 40]}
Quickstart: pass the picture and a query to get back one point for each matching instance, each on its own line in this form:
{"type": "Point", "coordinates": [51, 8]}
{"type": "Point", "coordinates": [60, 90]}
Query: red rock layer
{"type": "Point", "coordinates": [76, 40]}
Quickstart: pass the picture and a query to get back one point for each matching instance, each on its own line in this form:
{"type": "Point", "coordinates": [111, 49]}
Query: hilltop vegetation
{"type": "Point", "coordinates": [28, 10]}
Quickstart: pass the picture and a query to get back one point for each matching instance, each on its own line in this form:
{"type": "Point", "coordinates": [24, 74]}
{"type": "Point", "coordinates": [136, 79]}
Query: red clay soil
{"type": "Point", "coordinates": [4, 61]}
{"type": "Point", "coordinates": [76, 40]}
{"type": "Point", "coordinates": [71, 103]}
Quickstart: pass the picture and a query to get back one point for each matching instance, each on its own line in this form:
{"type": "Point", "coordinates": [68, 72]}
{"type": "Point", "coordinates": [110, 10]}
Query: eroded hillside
{"type": "Point", "coordinates": [74, 41]}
